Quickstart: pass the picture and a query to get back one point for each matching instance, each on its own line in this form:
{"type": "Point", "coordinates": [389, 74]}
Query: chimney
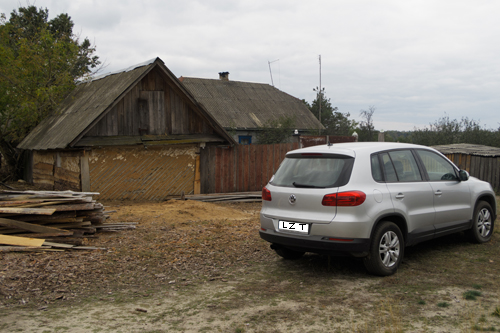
{"type": "Point", "coordinates": [224, 76]}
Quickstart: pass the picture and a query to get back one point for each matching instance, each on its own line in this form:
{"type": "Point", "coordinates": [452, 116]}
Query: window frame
{"type": "Point", "coordinates": [420, 167]}
{"type": "Point", "coordinates": [454, 167]}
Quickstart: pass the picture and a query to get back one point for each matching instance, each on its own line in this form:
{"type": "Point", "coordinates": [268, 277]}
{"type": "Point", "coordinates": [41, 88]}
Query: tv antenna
{"type": "Point", "coordinates": [270, 72]}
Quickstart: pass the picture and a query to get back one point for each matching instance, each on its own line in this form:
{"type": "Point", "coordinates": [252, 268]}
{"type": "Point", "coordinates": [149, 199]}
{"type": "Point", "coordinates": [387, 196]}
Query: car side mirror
{"type": "Point", "coordinates": [464, 175]}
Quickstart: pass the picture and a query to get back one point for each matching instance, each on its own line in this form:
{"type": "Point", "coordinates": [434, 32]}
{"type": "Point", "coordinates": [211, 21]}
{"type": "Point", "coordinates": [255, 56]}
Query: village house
{"type": "Point", "coordinates": [244, 108]}
{"type": "Point", "coordinates": [133, 134]}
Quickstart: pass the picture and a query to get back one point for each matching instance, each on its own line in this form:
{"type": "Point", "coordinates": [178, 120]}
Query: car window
{"type": "Point", "coordinates": [438, 168]}
{"type": "Point", "coordinates": [405, 165]}
{"type": "Point", "coordinates": [389, 172]}
{"type": "Point", "coordinates": [376, 169]}
{"type": "Point", "coordinates": [309, 171]}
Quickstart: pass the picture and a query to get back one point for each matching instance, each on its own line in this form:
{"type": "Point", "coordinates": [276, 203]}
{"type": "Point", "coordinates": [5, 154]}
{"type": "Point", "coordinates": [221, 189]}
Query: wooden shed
{"type": "Point", "coordinates": [482, 162]}
{"type": "Point", "coordinates": [133, 134]}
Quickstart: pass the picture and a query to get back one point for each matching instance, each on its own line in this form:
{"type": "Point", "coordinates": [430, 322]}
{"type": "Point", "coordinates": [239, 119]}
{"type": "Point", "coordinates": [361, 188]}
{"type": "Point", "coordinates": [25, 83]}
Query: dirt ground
{"type": "Point", "coordinates": [200, 267]}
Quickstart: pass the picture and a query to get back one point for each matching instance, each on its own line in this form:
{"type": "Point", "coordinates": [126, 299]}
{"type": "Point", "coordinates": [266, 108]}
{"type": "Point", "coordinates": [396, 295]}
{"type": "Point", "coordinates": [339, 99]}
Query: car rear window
{"type": "Point", "coordinates": [316, 171]}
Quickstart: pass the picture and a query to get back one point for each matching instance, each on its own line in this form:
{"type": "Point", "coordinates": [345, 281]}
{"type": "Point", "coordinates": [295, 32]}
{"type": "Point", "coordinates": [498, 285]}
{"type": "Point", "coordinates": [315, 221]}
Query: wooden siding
{"type": "Point", "coordinates": [483, 167]}
{"type": "Point", "coordinates": [142, 174]}
{"type": "Point", "coordinates": [152, 107]}
{"type": "Point", "coordinates": [241, 168]}
{"type": "Point", "coordinates": [57, 170]}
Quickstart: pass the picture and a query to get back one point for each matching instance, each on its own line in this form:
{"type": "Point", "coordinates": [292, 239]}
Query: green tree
{"type": "Point", "coordinates": [334, 121]}
{"type": "Point", "coordinates": [446, 131]}
{"type": "Point", "coordinates": [40, 63]}
{"type": "Point", "coordinates": [276, 131]}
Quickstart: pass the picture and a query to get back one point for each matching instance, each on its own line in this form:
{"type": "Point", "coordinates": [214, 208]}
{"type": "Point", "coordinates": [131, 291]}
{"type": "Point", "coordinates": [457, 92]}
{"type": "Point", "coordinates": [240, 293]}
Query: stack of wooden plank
{"type": "Point", "coordinates": [227, 197]}
{"type": "Point", "coordinates": [34, 220]}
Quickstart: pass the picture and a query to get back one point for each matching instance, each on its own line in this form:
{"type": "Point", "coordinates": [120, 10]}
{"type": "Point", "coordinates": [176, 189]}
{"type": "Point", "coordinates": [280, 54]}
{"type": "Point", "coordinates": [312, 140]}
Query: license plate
{"type": "Point", "coordinates": [301, 228]}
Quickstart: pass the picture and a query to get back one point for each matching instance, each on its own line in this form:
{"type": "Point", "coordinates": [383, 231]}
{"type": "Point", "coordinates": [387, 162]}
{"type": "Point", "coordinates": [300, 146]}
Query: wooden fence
{"type": "Point", "coordinates": [486, 168]}
{"type": "Point", "coordinates": [241, 168]}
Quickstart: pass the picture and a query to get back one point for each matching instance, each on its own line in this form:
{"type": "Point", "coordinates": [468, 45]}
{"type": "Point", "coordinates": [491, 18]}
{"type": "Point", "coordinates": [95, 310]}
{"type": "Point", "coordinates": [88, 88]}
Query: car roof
{"type": "Point", "coordinates": [352, 148]}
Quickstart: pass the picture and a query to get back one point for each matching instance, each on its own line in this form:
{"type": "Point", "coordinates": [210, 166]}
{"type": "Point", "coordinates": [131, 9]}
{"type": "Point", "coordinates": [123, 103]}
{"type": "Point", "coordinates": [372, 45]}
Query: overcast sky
{"type": "Point", "coordinates": [414, 61]}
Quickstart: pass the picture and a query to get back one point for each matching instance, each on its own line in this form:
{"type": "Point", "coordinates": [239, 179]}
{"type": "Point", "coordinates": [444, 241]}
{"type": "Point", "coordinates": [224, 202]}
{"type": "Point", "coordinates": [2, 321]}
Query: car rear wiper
{"type": "Point", "coordinates": [306, 186]}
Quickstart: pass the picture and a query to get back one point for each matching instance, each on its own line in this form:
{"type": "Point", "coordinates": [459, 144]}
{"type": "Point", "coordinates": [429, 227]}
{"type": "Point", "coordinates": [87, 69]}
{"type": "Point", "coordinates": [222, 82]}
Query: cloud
{"type": "Point", "coordinates": [413, 60]}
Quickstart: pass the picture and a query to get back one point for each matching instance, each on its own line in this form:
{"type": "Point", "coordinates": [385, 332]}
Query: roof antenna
{"type": "Point", "coordinates": [270, 72]}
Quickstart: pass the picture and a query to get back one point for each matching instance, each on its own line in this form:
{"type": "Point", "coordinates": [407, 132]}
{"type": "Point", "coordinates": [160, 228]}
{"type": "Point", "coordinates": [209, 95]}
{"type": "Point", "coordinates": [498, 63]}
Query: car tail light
{"type": "Point", "coordinates": [266, 194]}
{"type": "Point", "coordinates": [349, 198]}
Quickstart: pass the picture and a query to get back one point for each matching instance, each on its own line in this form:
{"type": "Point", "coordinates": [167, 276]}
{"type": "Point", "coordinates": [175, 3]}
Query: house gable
{"type": "Point", "coordinates": [155, 107]}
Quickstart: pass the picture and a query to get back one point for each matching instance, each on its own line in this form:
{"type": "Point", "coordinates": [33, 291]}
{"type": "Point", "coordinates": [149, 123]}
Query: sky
{"type": "Point", "coordinates": [414, 61]}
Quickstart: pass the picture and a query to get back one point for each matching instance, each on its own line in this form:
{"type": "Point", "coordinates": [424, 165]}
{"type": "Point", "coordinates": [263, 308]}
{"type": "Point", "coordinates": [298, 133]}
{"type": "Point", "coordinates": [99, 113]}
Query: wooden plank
{"type": "Point", "coordinates": [246, 157]}
{"type": "Point", "coordinates": [218, 166]}
{"type": "Point", "coordinates": [60, 233]}
{"type": "Point", "coordinates": [28, 211]}
{"type": "Point", "coordinates": [31, 227]}
{"type": "Point", "coordinates": [20, 241]}
{"type": "Point", "coordinates": [61, 245]}
{"type": "Point", "coordinates": [270, 162]}
{"type": "Point", "coordinates": [43, 168]}
{"type": "Point", "coordinates": [258, 167]}
{"type": "Point", "coordinates": [85, 206]}
{"type": "Point", "coordinates": [36, 201]}
{"type": "Point", "coordinates": [85, 172]}
{"type": "Point", "coordinates": [241, 174]}
{"type": "Point", "coordinates": [197, 176]}
{"type": "Point", "coordinates": [26, 249]}
{"type": "Point", "coordinates": [227, 170]}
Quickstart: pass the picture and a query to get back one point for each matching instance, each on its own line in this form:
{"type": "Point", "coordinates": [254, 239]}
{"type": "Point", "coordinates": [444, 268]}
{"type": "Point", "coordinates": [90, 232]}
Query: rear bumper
{"type": "Point", "coordinates": [358, 245]}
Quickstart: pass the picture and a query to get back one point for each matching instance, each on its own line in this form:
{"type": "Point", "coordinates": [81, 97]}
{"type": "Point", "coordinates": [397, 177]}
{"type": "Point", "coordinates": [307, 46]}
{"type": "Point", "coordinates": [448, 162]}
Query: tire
{"type": "Point", "coordinates": [289, 254]}
{"type": "Point", "coordinates": [386, 250]}
{"type": "Point", "coordinates": [482, 224]}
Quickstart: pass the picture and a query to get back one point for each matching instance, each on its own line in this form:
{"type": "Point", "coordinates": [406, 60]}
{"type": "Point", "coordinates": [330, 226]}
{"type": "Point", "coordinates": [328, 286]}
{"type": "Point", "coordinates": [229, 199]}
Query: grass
{"type": "Point", "coordinates": [471, 295]}
{"type": "Point", "coordinates": [312, 294]}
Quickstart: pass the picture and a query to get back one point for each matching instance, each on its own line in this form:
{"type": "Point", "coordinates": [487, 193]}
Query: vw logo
{"type": "Point", "coordinates": [292, 199]}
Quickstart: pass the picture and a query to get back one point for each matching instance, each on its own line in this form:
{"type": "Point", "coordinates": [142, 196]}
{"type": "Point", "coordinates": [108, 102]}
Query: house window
{"type": "Point", "coordinates": [245, 139]}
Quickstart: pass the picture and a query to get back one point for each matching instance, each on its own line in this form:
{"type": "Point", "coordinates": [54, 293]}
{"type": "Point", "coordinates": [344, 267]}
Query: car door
{"type": "Point", "coordinates": [411, 195]}
{"type": "Point", "coordinates": [452, 198]}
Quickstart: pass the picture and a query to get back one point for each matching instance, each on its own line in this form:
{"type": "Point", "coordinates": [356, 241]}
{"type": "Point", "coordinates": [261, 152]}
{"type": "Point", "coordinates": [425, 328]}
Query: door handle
{"type": "Point", "coordinates": [438, 192]}
{"type": "Point", "coordinates": [400, 196]}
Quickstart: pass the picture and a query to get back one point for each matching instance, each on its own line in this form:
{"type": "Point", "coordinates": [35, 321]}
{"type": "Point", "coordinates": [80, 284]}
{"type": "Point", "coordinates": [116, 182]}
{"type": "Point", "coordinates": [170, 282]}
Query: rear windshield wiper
{"type": "Point", "coordinates": [306, 185]}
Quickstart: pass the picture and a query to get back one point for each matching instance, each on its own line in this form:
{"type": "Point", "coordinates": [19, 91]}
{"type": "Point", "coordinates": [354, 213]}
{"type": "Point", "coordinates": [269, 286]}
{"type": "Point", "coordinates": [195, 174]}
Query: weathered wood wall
{"type": "Point", "coordinates": [57, 171]}
{"type": "Point", "coordinates": [154, 106]}
{"type": "Point", "coordinates": [483, 167]}
{"type": "Point", "coordinates": [241, 168]}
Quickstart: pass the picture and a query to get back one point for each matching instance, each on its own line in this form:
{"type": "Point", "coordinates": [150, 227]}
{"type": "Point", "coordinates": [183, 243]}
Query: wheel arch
{"type": "Point", "coordinates": [397, 219]}
{"type": "Point", "coordinates": [490, 200]}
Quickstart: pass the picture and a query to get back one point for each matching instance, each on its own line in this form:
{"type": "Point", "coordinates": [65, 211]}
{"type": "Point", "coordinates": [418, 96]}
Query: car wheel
{"type": "Point", "coordinates": [482, 225]}
{"type": "Point", "coordinates": [386, 250]}
{"type": "Point", "coordinates": [288, 254]}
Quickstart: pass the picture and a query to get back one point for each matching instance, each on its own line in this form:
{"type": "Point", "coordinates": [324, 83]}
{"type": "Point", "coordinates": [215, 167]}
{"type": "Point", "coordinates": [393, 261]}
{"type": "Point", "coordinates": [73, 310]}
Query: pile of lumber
{"type": "Point", "coordinates": [227, 197]}
{"type": "Point", "coordinates": [51, 220]}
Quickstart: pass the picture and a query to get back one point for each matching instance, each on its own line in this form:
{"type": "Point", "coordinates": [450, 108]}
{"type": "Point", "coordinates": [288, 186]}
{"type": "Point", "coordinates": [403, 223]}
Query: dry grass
{"type": "Point", "coordinates": [228, 280]}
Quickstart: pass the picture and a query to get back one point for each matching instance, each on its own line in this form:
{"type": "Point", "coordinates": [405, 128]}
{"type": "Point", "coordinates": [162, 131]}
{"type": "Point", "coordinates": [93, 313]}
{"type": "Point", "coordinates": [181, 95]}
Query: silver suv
{"type": "Point", "coordinates": [371, 200]}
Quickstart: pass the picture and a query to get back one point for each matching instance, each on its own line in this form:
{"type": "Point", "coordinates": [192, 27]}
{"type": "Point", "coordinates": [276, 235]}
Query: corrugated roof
{"type": "Point", "coordinates": [80, 109]}
{"type": "Point", "coordinates": [89, 100]}
{"type": "Point", "coordinates": [248, 105]}
{"type": "Point", "coordinates": [469, 149]}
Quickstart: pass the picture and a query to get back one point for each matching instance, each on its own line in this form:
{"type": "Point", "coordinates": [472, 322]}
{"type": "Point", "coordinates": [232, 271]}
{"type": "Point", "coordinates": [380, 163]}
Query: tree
{"type": "Point", "coordinates": [334, 121]}
{"type": "Point", "coordinates": [276, 131]}
{"type": "Point", "coordinates": [366, 129]}
{"type": "Point", "coordinates": [446, 131]}
{"type": "Point", "coordinates": [40, 63]}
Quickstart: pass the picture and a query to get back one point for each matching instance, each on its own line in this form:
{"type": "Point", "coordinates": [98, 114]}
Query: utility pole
{"type": "Point", "coordinates": [320, 96]}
